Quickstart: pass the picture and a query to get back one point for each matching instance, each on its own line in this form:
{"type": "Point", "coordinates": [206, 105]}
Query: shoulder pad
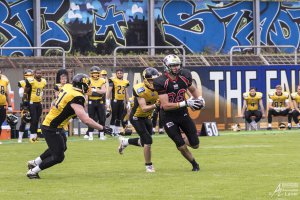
{"type": "Point", "coordinates": [271, 93]}
{"type": "Point", "coordinates": [294, 95]}
{"type": "Point", "coordinates": [245, 95]}
{"type": "Point", "coordinates": [259, 94]}
{"type": "Point", "coordinates": [286, 94]}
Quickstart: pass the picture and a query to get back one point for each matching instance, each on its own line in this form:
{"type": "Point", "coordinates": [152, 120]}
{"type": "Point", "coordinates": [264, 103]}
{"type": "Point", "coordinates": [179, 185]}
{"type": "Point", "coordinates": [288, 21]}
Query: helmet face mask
{"type": "Point", "coordinates": [95, 72]}
{"type": "Point", "coordinates": [81, 82]}
{"type": "Point", "coordinates": [149, 74]}
{"type": "Point", "coordinates": [172, 64]}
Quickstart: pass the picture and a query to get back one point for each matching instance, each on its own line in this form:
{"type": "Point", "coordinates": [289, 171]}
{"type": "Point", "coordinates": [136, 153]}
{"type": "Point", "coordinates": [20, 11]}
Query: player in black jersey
{"type": "Point", "coordinates": [171, 88]}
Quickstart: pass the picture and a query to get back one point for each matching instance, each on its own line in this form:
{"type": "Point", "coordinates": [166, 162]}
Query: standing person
{"type": "Point", "coordinates": [116, 95]}
{"type": "Point", "coordinates": [296, 103]}
{"type": "Point", "coordinates": [278, 106]}
{"type": "Point", "coordinates": [96, 106]}
{"type": "Point", "coordinates": [62, 81]}
{"type": "Point", "coordinates": [252, 102]}
{"type": "Point", "coordinates": [171, 88]}
{"type": "Point", "coordinates": [70, 103]}
{"type": "Point", "coordinates": [4, 99]}
{"type": "Point", "coordinates": [25, 114]}
{"type": "Point", "coordinates": [32, 97]}
{"type": "Point", "coordinates": [140, 116]}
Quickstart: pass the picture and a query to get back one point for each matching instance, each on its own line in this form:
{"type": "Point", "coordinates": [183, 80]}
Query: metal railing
{"type": "Point", "coordinates": [150, 47]}
{"type": "Point", "coordinates": [258, 47]}
{"type": "Point", "coordinates": [33, 48]}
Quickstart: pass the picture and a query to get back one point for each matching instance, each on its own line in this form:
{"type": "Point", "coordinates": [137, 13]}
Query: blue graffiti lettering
{"type": "Point", "coordinates": [111, 22]}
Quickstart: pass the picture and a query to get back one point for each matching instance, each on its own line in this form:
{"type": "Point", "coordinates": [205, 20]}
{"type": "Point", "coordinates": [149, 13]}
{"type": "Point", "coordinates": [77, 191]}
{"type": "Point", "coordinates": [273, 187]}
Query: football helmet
{"type": "Point", "coordinates": [25, 116]}
{"type": "Point", "coordinates": [95, 72]}
{"type": "Point", "coordinates": [28, 73]}
{"type": "Point", "coordinates": [81, 82]}
{"type": "Point", "coordinates": [150, 73]}
{"type": "Point", "coordinates": [103, 72]}
{"type": "Point", "coordinates": [11, 119]}
{"type": "Point", "coordinates": [170, 61]}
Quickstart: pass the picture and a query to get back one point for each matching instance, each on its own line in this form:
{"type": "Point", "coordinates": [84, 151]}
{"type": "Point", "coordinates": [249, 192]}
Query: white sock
{"type": "Point", "coordinates": [38, 161]}
{"type": "Point", "coordinates": [270, 125]}
{"type": "Point", "coordinates": [117, 129]}
{"type": "Point", "coordinates": [91, 134]}
{"type": "Point", "coordinates": [289, 125]}
{"type": "Point", "coordinates": [298, 125]}
{"type": "Point", "coordinates": [125, 141]}
{"type": "Point", "coordinates": [101, 134]}
{"type": "Point", "coordinates": [21, 135]}
{"type": "Point", "coordinates": [36, 169]}
{"type": "Point", "coordinates": [161, 130]}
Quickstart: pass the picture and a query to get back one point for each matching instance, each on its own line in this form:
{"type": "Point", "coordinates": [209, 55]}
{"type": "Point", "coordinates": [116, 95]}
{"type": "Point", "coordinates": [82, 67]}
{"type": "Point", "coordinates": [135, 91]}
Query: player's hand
{"type": "Point", "coordinates": [194, 104]}
{"type": "Point", "coordinates": [157, 103]}
{"type": "Point", "coordinates": [107, 130]}
{"type": "Point", "coordinates": [202, 101]}
{"type": "Point", "coordinates": [283, 109]}
{"type": "Point", "coordinates": [277, 109]}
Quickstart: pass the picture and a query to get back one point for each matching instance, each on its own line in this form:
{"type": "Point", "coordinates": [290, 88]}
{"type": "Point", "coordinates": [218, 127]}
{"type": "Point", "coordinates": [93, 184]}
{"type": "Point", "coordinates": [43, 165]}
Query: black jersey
{"type": "Point", "coordinates": [175, 89]}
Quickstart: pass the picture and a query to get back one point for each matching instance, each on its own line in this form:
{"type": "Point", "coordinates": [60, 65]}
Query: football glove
{"type": "Point", "coordinates": [107, 130]}
{"type": "Point", "coordinates": [194, 104]}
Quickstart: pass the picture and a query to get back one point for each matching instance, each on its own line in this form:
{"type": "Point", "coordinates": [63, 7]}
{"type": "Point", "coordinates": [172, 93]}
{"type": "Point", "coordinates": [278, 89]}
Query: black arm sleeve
{"type": "Point", "coordinates": [96, 94]}
{"type": "Point", "coordinates": [110, 83]}
{"type": "Point", "coordinates": [78, 100]}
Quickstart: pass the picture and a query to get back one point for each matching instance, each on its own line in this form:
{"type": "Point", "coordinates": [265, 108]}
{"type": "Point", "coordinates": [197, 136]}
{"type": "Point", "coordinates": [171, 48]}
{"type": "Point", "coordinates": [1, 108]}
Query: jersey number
{"type": "Point", "coordinates": [120, 89]}
{"type": "Point", "coordinates": [276, 104]}
{"type": "Point", "coordinates": [174, 98]}
{"type": "Point", "coordinates": [2, 90]}
{"type": "Point", "coordinates": [59, 99]}
{"type": "Point", "coordinates": [38, 91]}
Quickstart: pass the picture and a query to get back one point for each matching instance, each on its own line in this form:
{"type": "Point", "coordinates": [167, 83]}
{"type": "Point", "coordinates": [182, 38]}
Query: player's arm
{"type": "Point", "coordinates": [287, 104]}
{"type": "Point", "coordinates": [109, 93]}
{"type": "Point", "coordinates": [8, 99]}
{"type": "Point", "coordinates": [98, 92]}
{"type": "Point", "coordinates": [83, 116]}
{"type": "Point", "coordinates": [26, 92]}
{"type": "Point", "coordinates": [244, 108]}
{"type": "Point", "coordinates": [144, 106]}
{"type": "Point", "coordinates": [295, 105]}
{"type": "Point", "coordinates": [194, 91]}
{"type": "Point", "coordinates": [262, 108]}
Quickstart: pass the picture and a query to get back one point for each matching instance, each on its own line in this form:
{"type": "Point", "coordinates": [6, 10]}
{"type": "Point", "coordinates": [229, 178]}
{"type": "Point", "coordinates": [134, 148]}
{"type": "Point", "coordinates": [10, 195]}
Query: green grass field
{"type": "Point", "coordinates": [243, 165]}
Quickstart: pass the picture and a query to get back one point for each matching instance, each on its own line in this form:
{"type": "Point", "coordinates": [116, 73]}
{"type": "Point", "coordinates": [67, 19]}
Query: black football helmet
{"type": "Point", "coordinates": [25, 116]}
{"type": "Point", "coordinates": [11, 119]}
{"type": "Point", "coordinates": [95, 72]}
{"type": "Point", "coordinates": [150, 73]}
{"type": "Point", "coordinates": [81, 82]}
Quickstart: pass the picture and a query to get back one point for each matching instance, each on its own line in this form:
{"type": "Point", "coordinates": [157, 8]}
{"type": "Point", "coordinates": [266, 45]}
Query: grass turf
{"type": "Point", "coordinates": [235, 165]}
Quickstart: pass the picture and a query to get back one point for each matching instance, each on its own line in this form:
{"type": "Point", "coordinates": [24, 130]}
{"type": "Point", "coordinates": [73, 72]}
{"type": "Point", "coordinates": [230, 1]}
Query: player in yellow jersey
{"type": "Point", "coordinates": [70, 103]}
{"type": "Point", "coordinates": [96, 104]}
{"type": "Point", "coordinates": [278, 106]}
{"type": "Point", "coordinates": [117, 93]}
{"type": "Point", "coordinates": [296, 103]}
{"type": "Point", "coordinates": [140, 117]}
{"type": "Point", "coordinates": [252, 102]}
{"type": "Point", "coordinates": [25, 114]}
{"type": "Point", "coordinates": [4, 99]}
{"type": "Point", "coordinates": [33, 95]}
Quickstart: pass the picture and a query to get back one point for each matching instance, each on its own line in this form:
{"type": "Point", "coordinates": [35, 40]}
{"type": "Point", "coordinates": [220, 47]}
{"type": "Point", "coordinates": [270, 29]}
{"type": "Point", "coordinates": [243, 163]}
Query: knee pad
{"type": "Point", "coordinates": [59, 157]}
{"type": "Point", "coordinates": [146, 140]}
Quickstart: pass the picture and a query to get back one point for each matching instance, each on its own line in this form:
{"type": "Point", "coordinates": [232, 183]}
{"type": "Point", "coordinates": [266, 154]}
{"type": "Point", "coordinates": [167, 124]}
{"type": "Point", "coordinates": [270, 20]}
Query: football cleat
{"type": "Point", "coordinates": [122, 145]}
{"type": "Point", "coordinates": [31, 175]}
{"type": "Point", "coordinates": [196, 168]}
{"type": "Point", "coordinates": [150, 168]}
{"type": "Point", "coordinates": [86, 136]}
{"type": "Point", "coordinates": [19, 140]}
{"type": "Point", "coordinates": [31, 164]}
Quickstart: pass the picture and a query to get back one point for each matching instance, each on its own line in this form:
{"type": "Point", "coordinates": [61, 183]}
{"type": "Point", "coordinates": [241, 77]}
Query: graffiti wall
{"type": "Point", "coordinates": [95, 27]}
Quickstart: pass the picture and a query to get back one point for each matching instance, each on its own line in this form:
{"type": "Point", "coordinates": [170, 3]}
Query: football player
{"type": "Point", "coordinates": [4, 99]}
{"type": "Point", "coordinates": [252, 102]}
{"type": "Point", "coordinates": [171, 88]}
{"type": "Point", "coordinates": [25, 114]}
{"type": "Point", "coordinates": [278, 106]}
{"type": "Point", "coordinates": [117, 93]}
{"type": "Point", "coordinates": [96, 106]}
{"type": "Point", "coordinates": [296, 103]}
{"type": "Point", "coordinates": [70, 102]}
{"type": "Point", "coordinates": [145, 102]}
{"type": "Point", "coordinates": [33, 95]}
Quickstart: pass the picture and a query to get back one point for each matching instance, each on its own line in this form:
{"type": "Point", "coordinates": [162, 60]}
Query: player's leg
{"type": "Point", "coordinates": [160, 123]}
{"type": "Point", "coordinates": [33, 122]}
{"type": "Point", "coordinates": [56, 147]}
{"type": "Point", "coordinates": [92, 112]}
{"type": "Point", "coordinates": [295, 114]}
{"type": "Point", "coordinates": [2, 117]}
{"type": "Point", "coordinates": [21, 131]}
{"type": "Point", "coordinates": [114, 112]}
{"type": "Point", "coordinates": [120, 110]}
{"type": "Point", "coordinates": [271, 112]}
{"type": "Point", "coordinates": [101, 111]}
{"type": "Point", "coordinates": [287, 113]}
{"type": "Point", "coordinates": [154, 120]}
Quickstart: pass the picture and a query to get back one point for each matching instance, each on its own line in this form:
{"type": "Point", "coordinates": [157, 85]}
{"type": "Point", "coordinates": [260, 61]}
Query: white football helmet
{"type": "Point", "coordinates": [172, 60]}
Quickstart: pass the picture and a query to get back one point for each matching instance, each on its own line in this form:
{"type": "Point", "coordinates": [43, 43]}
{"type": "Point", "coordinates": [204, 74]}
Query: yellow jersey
{"type": "Point", "coordinates": [62, 112]}
{"type": "Point", "coordinates": [278, 100]}
{"type": "Point", "coordinates": [36, 89]}
{"type": "Point", "coordinates": [3, 89]}
{"type": "Point", "coordinates": [119, 86]}
{"type": "Point", "coordinates": [252, 101]}
{"type": "Point", "coordinates": [96, 84]}
{"type": "Point", "coordinates": [296, 97]}
{"type": "Point", "coordinates": [141, 91]}
{"type": "Point", "coordinates": [22, 84]}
